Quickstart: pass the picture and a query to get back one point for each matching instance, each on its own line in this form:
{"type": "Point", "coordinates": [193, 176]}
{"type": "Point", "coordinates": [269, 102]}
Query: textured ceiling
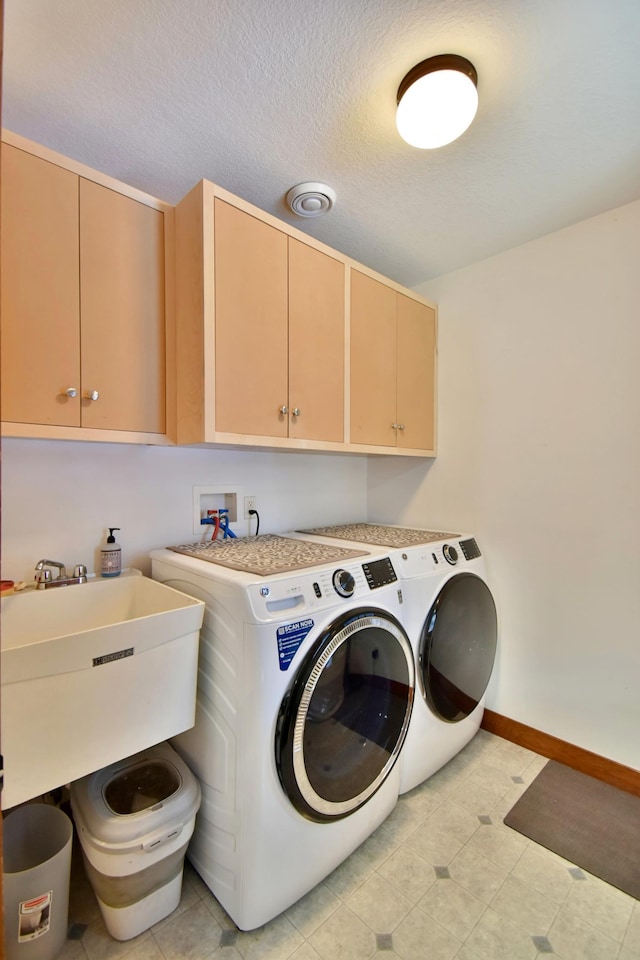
{"type": "Point", "coordinates": [260, 95]}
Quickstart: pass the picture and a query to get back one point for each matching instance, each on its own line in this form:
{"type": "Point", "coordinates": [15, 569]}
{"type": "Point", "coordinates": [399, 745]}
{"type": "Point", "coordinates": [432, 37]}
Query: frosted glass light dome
{"type": "Point", "coordinates": [437, 101]}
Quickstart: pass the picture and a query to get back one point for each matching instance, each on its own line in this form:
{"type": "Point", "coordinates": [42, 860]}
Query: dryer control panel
{"type": "Point", "coordinates": [423, 560]}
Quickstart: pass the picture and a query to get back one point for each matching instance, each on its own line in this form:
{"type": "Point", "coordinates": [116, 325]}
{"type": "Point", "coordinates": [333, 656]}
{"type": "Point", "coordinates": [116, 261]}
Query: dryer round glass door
{"type": "Point", "coordinates": [458, 647]}
{"type": "Point", "coordinates": [344, 719]}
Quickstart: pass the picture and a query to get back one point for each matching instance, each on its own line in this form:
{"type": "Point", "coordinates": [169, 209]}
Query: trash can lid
{"type": "Point", "coordinates": [124, 803]}
{"type": "Point", "coordinates": [140, 786]}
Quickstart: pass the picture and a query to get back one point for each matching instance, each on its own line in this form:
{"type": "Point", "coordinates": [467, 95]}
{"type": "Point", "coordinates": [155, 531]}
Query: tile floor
{"type": "Point", "coordinates": [442, 878]}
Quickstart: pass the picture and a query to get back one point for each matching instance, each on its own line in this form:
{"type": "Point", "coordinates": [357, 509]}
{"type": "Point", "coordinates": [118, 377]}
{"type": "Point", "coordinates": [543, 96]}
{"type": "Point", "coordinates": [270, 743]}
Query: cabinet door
{"type": "Point", "coordinates": [40, 314]}
{"type": "Point", "coordinates": [122, 311]}
{"type": "Point", "coordinates": [316, 344]}
{"type": "Point", "coordinates": [373, 361]}
{"type": "Point", "coordinates": [416, 373]}
{"type": "Point", "coordinates": [251, 324]}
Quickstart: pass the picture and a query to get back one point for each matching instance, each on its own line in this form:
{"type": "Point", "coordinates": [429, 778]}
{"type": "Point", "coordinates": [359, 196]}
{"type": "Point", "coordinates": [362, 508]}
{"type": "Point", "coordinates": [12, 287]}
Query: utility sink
{"type": "Point", "coordinates": [92, 673]}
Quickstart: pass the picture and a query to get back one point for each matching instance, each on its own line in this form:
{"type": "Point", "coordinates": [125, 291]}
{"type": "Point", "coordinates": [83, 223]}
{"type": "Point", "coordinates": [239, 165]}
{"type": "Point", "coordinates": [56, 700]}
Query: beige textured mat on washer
{"type": "Point", "coordinates": [266, 555]}
{"type": "Point", "coordinates": [381, 535]}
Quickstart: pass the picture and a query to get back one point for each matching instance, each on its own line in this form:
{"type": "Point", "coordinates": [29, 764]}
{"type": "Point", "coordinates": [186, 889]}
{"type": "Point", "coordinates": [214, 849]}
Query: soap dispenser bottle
{"type": "Point", "coordinates": [111, 556]}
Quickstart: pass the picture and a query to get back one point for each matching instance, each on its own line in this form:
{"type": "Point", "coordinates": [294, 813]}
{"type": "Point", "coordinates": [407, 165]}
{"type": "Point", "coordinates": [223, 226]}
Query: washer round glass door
{"type": "Point", "coordinates": [458, 647]}
{"type": "Point", "coordinates": [344, 719]}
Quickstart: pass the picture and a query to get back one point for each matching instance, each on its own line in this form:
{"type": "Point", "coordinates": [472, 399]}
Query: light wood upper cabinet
{"type": "Point", "coordinates": [122, 311]}
{"type": "Point", "coordinates": [251, 326]}
{"type": "Point", "coordinates": [415, 379]}
{"type": "Point", "coordinates": [316, 344]}
{"type": "Point", "coordinates": [83, 303]}
{"type": "Point", "coordinates": [373, 361]}
{"type": "Point", "coordinates": [260, 342]}
{"type": "Point", "coordinates": [40, 333]}
{"type": "Point", "coordinates": [392, 367]}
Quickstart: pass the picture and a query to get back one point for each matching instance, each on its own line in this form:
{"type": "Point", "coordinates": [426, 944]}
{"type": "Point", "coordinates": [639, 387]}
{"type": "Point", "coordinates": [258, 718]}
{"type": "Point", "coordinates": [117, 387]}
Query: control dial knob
{"type": "Point", "coordinates": [343, 583]}
{"type": "Point", "coordinates": [450, 554]}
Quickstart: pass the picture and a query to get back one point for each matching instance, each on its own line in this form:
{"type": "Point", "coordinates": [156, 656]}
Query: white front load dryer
{"type": "Point", "coordinates": [450, 616]}
{"type": "Point", "coordinates": [305, 691]}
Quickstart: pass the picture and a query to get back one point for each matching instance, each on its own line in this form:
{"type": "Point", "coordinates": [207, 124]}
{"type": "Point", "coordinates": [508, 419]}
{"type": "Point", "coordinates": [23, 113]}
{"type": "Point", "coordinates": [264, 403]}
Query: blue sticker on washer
{"type": "Point", "coordinates": [290, 636]}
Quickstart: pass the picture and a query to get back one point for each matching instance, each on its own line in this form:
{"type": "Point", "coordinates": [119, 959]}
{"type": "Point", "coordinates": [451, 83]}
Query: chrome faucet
{"type": "Point", "coordinates": [44, 579]}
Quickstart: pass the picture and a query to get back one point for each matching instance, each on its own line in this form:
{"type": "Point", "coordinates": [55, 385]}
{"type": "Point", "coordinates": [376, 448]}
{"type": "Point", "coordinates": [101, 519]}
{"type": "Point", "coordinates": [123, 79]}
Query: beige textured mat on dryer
{"type": "Point", "coordinates": [381, 535]}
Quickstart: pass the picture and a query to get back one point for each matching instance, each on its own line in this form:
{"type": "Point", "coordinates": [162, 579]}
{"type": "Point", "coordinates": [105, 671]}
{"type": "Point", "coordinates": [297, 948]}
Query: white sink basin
{"type": "Point", "coordinates": [92, 673]}
{"type": "Point", "coordinates": [47, 632]}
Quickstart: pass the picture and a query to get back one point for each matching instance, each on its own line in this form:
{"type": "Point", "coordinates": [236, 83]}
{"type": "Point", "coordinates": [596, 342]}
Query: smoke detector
{"type": "Point", "coordinates": [311, 199]}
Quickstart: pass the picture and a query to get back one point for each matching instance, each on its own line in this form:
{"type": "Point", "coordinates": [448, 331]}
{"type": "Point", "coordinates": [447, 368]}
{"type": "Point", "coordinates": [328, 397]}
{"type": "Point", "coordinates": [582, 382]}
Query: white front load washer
{"type": "Point", "coordinates": [450, 616]}
{"type": "Point", "coordinates": [305, 690]}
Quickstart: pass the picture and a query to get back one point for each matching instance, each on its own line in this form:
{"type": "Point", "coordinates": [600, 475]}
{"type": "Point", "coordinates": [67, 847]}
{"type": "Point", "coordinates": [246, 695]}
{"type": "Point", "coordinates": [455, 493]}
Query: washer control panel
{"type": "Point", "coordinates": [301, 594]}
{"type": "Point", "coordinates": [379, 573]}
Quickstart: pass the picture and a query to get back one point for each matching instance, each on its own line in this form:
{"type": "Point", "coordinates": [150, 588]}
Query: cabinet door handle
{"type": "Point", "coordinates": [401, 426]}
{"type": "Point", "coordinates": [394, 426]}
{"type": "Point", "coordinates": [92, 395]}
{"type": "Point", "coordinates": [296, 411]}
{"type": "Point", "coordinates": [71, 392]}
{"type": "Point", "coordinates": [284, 410]}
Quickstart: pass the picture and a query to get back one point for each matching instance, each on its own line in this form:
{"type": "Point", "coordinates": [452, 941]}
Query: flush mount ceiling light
{"type": "Point", "coordinates": [311, 199]}
{"type": "Point", "coordinates": [437, 101]}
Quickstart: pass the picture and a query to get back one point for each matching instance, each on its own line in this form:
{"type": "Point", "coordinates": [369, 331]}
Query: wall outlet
{"type": "Point", "coordinates": [249, 504]}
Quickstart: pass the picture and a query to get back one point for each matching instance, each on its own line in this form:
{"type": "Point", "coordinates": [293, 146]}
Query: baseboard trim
{"type": "Point", "coordinates": [626, 778]}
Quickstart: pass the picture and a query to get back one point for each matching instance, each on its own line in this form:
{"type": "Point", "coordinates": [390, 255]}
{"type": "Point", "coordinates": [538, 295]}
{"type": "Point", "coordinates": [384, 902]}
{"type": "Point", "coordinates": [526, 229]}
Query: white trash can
{"type": "Point", "coordinates": [134, 819]}
{"type": "Point", "coordinates": [36, 869]}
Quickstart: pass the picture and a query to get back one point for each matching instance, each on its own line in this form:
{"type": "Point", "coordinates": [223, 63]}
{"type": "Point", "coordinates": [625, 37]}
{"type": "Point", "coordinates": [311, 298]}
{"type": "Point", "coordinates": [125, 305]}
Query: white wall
{"type": "Point", "coordinates": [58, 497]}
{"type": "Point", "coordinates": [539, 456]}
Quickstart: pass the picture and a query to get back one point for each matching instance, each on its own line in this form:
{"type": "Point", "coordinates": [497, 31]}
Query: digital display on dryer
{"type": "Point", "coordinates": [470, 549]}
{"type": "Point", "coordinates": [379, 573]}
